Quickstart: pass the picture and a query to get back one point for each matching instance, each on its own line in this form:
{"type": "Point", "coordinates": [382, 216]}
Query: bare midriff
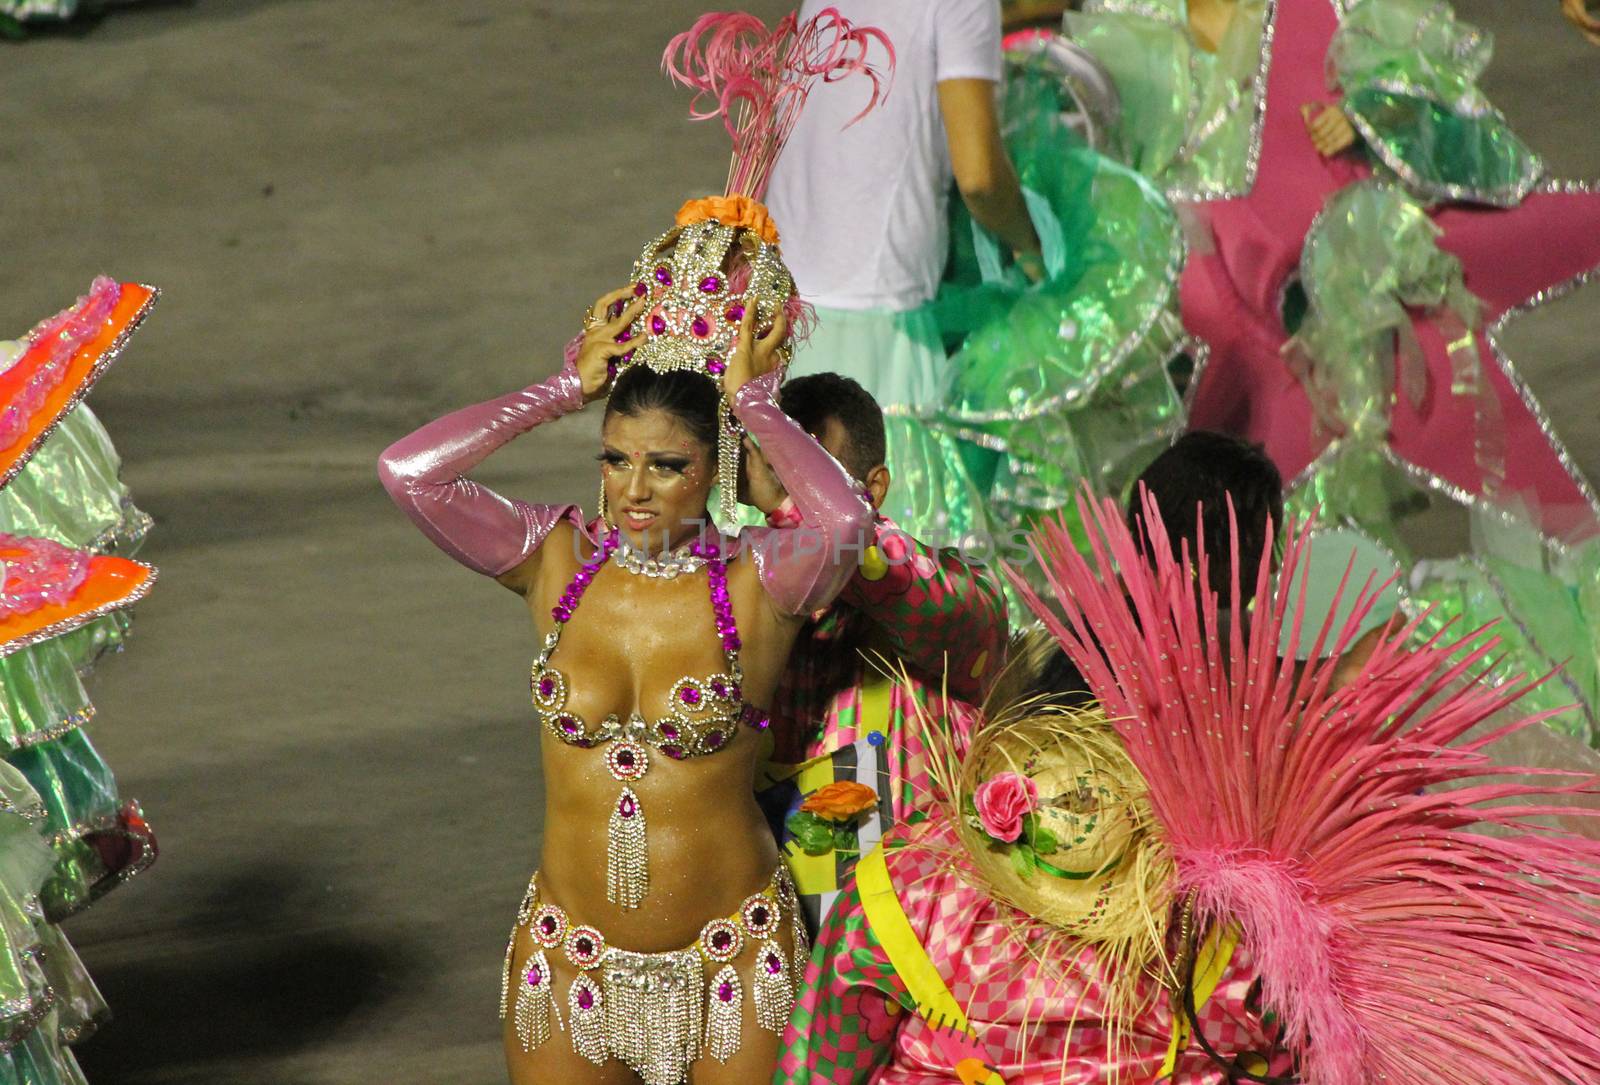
{"type": "Point", "coordinates": [623, 650]}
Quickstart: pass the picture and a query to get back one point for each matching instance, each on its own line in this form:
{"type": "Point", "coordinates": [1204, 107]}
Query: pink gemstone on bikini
{"type": "Point", "coordinates": [733, 691]}
{"type": "Point", "coordinates": [689, 695]}
{"type": "Point", "coordinates": [735, 312]}
{"type": "Point", "coordinates": [547, 687]}
{"type": "Point", "coordinates": [585, 999]}
{"type": "Point", "coordinates": [774, 964]}
{"type": "Point", "coordinates": [725, 992]}
{"type": "Point", "coordinates": [624, 335]}
{"type": "Point", "coordinates": [548, 924]}
{"type": "Point", "coordinates": [669, 730]}
{"type": "Point", "coordinates": [640, 290]}
{"type": "Point", "coordinates": [585, 946]}
{"type": "Point", "coordinates": [721, 940]}
{"type": "Point", "coordinates": [627, 807]}
{"type": "Point", "coordinates": [534, 976]}
{"type": "Point", "coordinates": [663, 276]}
{"type": "Point", "coordinates": [710, 284]}
{"type": "Point", "coordinates": [658, 324]}
{"type": "Point", "coordinates": [718, 689]}
{"type": "Point", "coordinates": [569, 725]}
{"type": "Point", "coordinates": [625, 758]}
{"type": "Point", "coordinates": [626, 359]}
{"type": "Point", "coordinates": [674, 752]}
{"type": "Point", "coordinates": [700, 327]}
{"type": "Point", "coordinates": [758, 915]}
{"type": "Point", "coordinates": [614, 310]}
{"type": "Point", "coordinates": [714, 739]}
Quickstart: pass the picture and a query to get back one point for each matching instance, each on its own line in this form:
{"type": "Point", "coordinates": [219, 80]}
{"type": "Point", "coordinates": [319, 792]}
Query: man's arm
{"type": "Point", "coordinates": [983, 171]}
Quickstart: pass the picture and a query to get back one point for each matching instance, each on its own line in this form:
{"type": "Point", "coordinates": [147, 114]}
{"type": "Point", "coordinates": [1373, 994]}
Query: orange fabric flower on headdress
{"type": "Point", "coordinates": [840, 801]}
{"type": "Point", "coordinates": [731, 211]}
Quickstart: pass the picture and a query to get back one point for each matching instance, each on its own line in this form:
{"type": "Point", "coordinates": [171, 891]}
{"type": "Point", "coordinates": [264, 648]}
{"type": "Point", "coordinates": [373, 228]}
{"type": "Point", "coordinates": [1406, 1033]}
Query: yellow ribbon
{"type": "Point", "coordinates": [1209, 966]}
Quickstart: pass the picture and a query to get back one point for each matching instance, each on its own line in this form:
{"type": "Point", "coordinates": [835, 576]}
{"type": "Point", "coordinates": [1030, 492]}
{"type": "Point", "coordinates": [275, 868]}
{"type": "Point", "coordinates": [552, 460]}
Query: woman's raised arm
{"type": "Point", "coordinates": [803, 567]}
{"type": "Point", "coordinates": [425, 473]}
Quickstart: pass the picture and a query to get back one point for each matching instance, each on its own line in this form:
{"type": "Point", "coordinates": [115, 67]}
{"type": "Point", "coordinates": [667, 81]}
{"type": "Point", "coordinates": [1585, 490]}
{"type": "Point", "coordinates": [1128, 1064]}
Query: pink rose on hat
{"type": "Point", "coordinates": [1003, 801]}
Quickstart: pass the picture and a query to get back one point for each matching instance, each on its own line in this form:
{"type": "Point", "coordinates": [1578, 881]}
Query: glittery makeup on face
{"type": "Point", "coordinates": [656, 478]}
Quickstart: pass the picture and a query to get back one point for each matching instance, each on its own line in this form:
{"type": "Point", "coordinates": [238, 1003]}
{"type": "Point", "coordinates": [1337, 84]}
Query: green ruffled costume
{"type": "Point", "coordinates": [54, 787]}
{"type": "Point", "coordinates": [1188, 116]}
{"type": "Point", "coordinates": [1409, 72]}
{"type": "Point", "coordinates": [46, 998]}
{"type": "Point", "coordinates": [68, 492]}
{"type": "Point", "coordinates": [1064, 380]}
{"type": "Point", "coordinates": [15, 13]}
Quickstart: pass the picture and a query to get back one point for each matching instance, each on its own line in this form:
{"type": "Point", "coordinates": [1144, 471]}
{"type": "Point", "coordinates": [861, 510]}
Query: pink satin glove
{"type": "Point", "coordinates": [805, 566]}
{"type": "Point", "coordinates": [425, 474]}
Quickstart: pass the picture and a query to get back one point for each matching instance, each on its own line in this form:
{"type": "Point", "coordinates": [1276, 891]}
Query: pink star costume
{"type": "Point", "coordinates": [1392, 389]}
{"type": "Point", "coordinates": [1233, 297]}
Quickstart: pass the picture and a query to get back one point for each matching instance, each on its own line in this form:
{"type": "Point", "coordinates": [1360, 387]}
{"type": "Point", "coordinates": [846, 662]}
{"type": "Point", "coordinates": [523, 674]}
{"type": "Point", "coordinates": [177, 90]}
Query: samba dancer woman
{"type": "Point", "coordinates": [672, 949]}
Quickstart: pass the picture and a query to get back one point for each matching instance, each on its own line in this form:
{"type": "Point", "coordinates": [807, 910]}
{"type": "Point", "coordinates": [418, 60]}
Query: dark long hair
{"type": "Point", "coordinates": [687, 396]}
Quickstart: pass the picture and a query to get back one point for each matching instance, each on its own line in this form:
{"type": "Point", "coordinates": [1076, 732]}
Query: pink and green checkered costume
{"type": "Point", "coordinates": [944, 620]}
{"type": "Point", "coordinates": [856, 1023]}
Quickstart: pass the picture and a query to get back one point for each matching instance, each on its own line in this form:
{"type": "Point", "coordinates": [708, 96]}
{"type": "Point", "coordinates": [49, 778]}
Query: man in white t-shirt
{"type": "Point", "coordinates": [862, 210]}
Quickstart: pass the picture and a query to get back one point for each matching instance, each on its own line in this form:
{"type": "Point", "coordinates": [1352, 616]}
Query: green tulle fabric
{"type": "Point", "coordinates": [1409, 73]}
{"type": "Point", "coordinates": [1061, 381]}
{"type": "Point", "coordinates": [1188, 116]}
{"type": "Point", "coordinates": [1543, 599]}
{"type": "Point", "coordinates": [1370, 261]}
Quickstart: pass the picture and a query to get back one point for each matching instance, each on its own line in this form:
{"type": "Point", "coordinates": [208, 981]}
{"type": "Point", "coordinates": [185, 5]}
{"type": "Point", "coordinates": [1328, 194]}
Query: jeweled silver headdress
{"type": "Point", "coordinates": [756, 80]}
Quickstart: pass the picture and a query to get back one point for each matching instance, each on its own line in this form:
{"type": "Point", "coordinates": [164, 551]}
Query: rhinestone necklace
{"type": "Point", "coordinates": [688, 558]}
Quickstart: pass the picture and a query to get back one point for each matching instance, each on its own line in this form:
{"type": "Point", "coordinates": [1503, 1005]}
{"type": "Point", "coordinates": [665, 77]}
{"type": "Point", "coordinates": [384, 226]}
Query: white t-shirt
{"type": "Point", "coordinates": [861, 210]}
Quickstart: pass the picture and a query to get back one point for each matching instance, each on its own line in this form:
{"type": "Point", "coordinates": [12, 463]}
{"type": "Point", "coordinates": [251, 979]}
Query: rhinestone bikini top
{"type": "Point", "coordinates": [705, 711]}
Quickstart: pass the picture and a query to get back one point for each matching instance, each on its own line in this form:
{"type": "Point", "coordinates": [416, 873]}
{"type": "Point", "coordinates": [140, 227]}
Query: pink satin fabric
{"type": "Point", "coordinates": [425, 474]}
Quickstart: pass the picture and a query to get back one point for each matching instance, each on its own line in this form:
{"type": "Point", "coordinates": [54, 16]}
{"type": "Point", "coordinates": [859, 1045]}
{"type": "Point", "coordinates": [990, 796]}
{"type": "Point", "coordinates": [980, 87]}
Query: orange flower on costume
{"type": "Point", "coordinates": [731, 211]}
{"type": "Point", "coordinates": [840, 801]}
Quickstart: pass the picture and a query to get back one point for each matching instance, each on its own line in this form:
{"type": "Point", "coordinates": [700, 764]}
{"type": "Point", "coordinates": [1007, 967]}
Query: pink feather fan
{"type": "Point", "coordinates": [757, 79]}
{"type": "Point", "coordinates": [1397, 940]}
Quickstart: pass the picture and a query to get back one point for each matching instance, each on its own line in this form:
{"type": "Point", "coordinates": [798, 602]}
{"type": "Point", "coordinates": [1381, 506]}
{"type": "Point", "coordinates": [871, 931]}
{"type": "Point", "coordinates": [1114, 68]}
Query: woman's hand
{"type": "Point", "coordinates": [600, 343]}
{"type": "Point", "coordinates": [759, 486]}
{"type": "Point", "coordinates": [1330, 130]}
{"type": "Point", "coordinates": [1577, 13]}
{"type": "Point", "coordinates": [753, 357]}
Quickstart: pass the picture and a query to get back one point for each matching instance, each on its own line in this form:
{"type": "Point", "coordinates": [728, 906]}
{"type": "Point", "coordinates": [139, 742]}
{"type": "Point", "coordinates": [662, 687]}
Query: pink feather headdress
{"type": "Point", "coordinates": [1340, 829]}
{"type": "Point", "coordinates": [757, 79]}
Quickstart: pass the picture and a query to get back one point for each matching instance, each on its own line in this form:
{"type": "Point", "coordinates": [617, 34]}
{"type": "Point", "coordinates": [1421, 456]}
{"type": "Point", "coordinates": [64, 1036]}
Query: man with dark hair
{"type": "Point", "coordinates": [848, 759]}
{"type": "Point", "coordinates": [1204, 471]}
{"type": "Point", "coordinates": [1208, 471]}
{"type": "Point", "coordinates": [829, 403]}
